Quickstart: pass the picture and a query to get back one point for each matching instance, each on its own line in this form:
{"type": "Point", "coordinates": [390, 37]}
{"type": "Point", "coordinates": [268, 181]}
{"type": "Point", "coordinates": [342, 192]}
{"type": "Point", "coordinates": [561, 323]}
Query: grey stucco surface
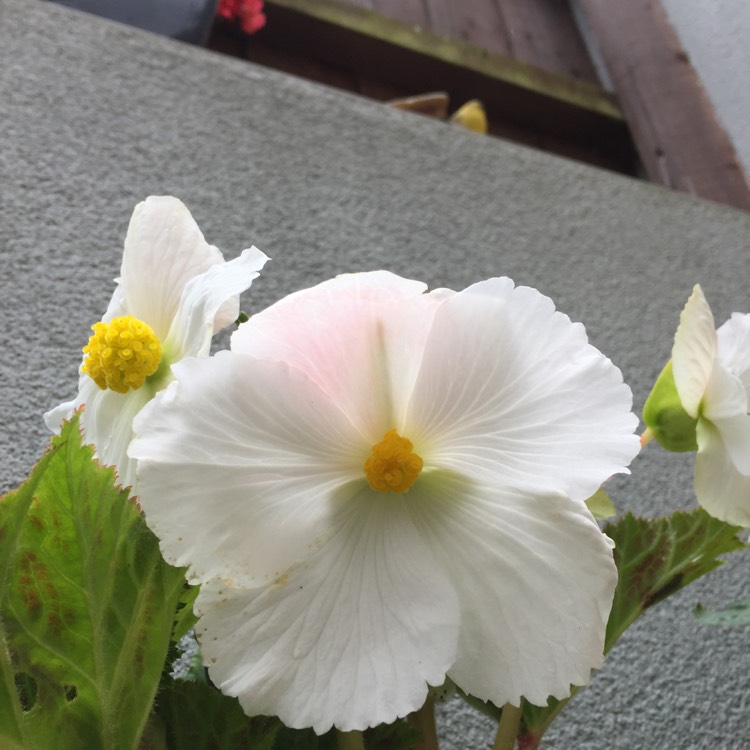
{"type": "Point", "coordinates": [97, 116]}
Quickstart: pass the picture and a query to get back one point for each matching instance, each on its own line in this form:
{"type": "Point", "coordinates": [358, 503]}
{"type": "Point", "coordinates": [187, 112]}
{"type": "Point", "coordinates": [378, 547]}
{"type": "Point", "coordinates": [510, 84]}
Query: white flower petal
{"type": "Point", "coordinates": [358, 336]}
{"type": "Point", "coordinates": [204, 297]}
{"type": "Point", "coordinates": [734, 346]}
{"type": "Point", "coordinates": [55, 417]}
{"type": "Point", "coordinates": [511, 390]}
{"type": "Point", "coordinates": [535, 578]}
{"type": "Point", "coordinates": [164, 249]}
{"type": "Point", "coordinates": [237, 460]}
{"type": "Point", "coordinates": [720, 488]}
{"type": "Point", "coordinates": [105, 422]}
{"type": "Point", "coordinates": [725, 395]}
{"type": "Point", "coordinates": [735, 434]}
{"type": "Point", "coordinates": [725, 404]}
{"type": "Point", "coordinates": [350, 638]}
{"type": "Point", "coordinates": [694, 351]}
{"type": "Point", "coordinates": [251, 471]}
{"type": "Point", "coordinates": [117, 304]}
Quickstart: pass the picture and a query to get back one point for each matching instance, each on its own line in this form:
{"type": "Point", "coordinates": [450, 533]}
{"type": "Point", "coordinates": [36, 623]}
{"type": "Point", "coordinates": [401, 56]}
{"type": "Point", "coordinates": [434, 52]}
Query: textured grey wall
{"type": "Point", "coordinates": [97, 116]}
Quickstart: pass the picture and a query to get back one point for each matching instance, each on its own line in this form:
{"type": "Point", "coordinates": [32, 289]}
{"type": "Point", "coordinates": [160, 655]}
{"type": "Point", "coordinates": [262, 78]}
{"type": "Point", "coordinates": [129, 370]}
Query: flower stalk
{"type": "Point", "coordinates": [350, 740]}
{"type": "Point", "coordinates": [424, 722]}
{"type": "Point", "coordinates": [507, 731]}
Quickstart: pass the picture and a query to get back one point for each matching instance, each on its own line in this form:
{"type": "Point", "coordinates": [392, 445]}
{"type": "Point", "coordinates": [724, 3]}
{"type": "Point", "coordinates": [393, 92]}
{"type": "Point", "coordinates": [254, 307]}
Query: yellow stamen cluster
{"type": "Point", "coordinates": [121, 354]}
{"type": "Point", "coordinates": [393, 466]}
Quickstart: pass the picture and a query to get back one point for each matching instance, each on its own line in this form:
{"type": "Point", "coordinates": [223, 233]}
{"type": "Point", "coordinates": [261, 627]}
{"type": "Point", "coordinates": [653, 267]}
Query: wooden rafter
{"type": "Point", "coordinates": [674, 125]}
{"type": "Point", "coordinates": [353, 47]}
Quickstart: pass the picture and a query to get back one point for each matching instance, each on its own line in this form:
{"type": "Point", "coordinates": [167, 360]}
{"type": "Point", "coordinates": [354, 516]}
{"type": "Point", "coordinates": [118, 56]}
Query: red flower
{"type": "Point", "coordinates": [250, 13]}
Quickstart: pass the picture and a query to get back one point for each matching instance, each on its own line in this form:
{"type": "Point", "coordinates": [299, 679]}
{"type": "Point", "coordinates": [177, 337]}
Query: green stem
{"type": "Point", "coordinates": [350, 740]}
{"type": "Point", "coordinates": [510, 721]}
{"type": "Point", "coordinates": [424, 722]}
{"type": "Point", "coordinates": [535, 728]}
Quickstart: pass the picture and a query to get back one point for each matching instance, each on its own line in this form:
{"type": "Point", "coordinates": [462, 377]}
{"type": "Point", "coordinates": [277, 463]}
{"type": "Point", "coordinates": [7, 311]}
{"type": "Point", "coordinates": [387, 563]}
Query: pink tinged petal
{"type": "Point", "coordinates": [694, 351]}
{"type": "Point", "coordinates": [237, 462]}
{"type": "Point", "coordinates": [358, 336]}
{"type": "Point", "coordinates": [535, 579]}
{"type": "Point", "coordinates": [164, 249]}
{"type": "Point", "coordinates": [352, 637]}
{"type": "Point", "coordinates": [210, 302]}
{"type": "Point", "coordinates": [721, 489]}
{"type": "Point", "coordinates": [511, 390]}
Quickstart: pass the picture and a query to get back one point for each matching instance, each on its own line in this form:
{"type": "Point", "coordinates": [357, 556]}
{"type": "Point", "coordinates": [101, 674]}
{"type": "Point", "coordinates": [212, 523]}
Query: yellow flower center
{"type": "Point", "coordinates": [393, 466]}
{"type": "Point", "coordinates": [121, 354]}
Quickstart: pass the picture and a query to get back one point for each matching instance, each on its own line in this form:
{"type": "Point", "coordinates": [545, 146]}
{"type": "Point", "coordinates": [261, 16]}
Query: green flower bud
{"type": "Point", "coordinates": [663, 414]}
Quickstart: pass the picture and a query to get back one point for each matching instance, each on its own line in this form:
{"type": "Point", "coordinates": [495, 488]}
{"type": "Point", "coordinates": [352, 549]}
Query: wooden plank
{"type": "Point", "coordinates": [539, 32]}
{"type": "Point", "coordinates": [352, 48]}
{"type": "Point", "coordinates": [412, 12]}
{"type": "Point", "coordinates": [544, 33]}
{"type": "Point", "coordinates": [674, 126]}
{"type": "Point", "coordinates": [295, 62]}
{"type": "Point", "coordinates": [454, 57]}
{"type": "Point", "coordinates": [479, 22]}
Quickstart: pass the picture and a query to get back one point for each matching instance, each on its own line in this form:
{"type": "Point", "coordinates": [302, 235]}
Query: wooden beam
{"type": "Point", "coordinates": [409, 41]}
{"type": "Point", "coordinates": [674, 125]}
{"type": "Point", "coordinates": [353, 47]}
{"type": "Point", "coordinates": [538, 32]}
{"type": "Point", "coordinates": [370, 43]}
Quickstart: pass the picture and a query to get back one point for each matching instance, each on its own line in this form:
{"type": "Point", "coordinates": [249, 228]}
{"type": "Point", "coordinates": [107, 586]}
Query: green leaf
{"type": "Point", "coordinates": [737, 614]}
{"type": "Point", "coordinates": [17, 692]}
{"type": "Point", "coordinates": [196, 716]}
{"type": "Point", "coordinates": [87, 607]}
{"type": "Point", "coordinates": [600, 505]}
{"type": "Point", "coordinates": [655, 557]}
{"type": "Point", "coordinates": [185, 617]}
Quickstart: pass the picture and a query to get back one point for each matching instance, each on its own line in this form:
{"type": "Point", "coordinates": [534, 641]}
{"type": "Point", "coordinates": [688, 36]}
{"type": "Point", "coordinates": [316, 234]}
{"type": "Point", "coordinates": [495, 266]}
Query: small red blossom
{"type": "Point", "coordinates": [249, 12]}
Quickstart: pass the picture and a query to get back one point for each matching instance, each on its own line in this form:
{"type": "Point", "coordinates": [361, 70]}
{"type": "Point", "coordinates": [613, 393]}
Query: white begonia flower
{"type": "Point", "coordinates": [379, 487]}
{"type": "Point", "coordinates": [712, 376]}
{"type": "Point", "coordinates": [174, 292]}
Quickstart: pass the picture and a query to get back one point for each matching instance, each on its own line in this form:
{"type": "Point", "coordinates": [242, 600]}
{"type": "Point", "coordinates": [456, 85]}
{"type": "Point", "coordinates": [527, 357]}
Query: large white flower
{"type": "Point", "coordinates": [712, 376]}
{"type": "Point", "coordinates": [379, 487]}
{"type": "Point", "coordinates": [174, 292]}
